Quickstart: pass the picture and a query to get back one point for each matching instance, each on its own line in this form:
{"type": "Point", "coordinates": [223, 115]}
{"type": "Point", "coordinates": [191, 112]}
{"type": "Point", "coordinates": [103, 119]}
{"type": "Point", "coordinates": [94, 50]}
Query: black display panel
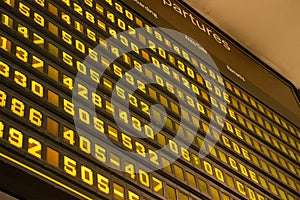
{"type": "Point", "coordinates": [224, 133]}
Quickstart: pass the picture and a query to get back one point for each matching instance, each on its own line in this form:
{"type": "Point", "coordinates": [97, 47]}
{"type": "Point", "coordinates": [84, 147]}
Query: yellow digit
{"type": "Point", "coordinates": [2, 98]}
{"type": "Point", "coordinates": [98, 125]}
{"type": "Point", "coordinates": [68, 82]}
{"type": "Point", "coordinates": [4, 69]}
{"type": "Point", "coordinates": [83, 91]}
{"type": "Point", "coordinates": [1, 129]}
{"type": "Point", "coordinates": [22, 54]}
{"type": "Point", "coordinates": [129, 15]}
{"type": "Point", "coordinates": [173, 146]}
{"type": "Point", "coordinates": [20, 79]}
{"type": "Point", "coordinates": [110, 16]}
{"type": "Point", "coordinates": [24, 9]}
{"type": "Point", "coordinates": [129, 168]}
{"type": "Point", "coordinates": [17, 107]}
{"type": "Point", "coordinates": [23, 30]}
{"type": "Point", "coordinates": [89, 2]}
{"type": "Point", "coordinates": [91, 35]}
{"type": "Point", "coordinates": [84, 145]}
{"type": "Point", "coordinates": [133, 196]}
{"type": "Point", "coordinates": [84, 116]}
{"type": "Point", "coordinates": [10, 2]}
{"type": "Point", "coordinates": [67, 2]}
{"type": "Point", "coordinates": [144, 178]}
{"type": "Point", "coordinates": [185, 154]}
{"type": "Point", "coordinates": [7, 21]}
{"type": "Point", "coordinates": [100, 153]}
{"type": "Point", "coordinates": [35, 117]}
{"type": "Point", "coordinates": [153, 157]}
{"type": "Point", "coordinates": [127, 142]}
{"type": "Point", "coordinates": [15, 137]}
{"type": "Point", "coordinates": [34, 147]}
{"type": "Point", "coordinates": [37, 88]}
{"type": "Point", "coordinates": [87, 175]}
{"type": "Point", "coordinates": [69, 107]}
{"type": "Point", "coordinates": [68, 59]}
{"type": "Point", "coordinates": [39, 19]}
{"type": "Point", "coordinates": [103, 184]}
{"type": "Point", "coordinates": [123, 115]}
{"type": "Point", "coordinates": [145, 108]}
{"type": "Point", "coordinates": [136, 124]}
{"type": "Point", "coordinates": [140, 149]}
{"type": "Point", "coordinates": [69, 136]}
{"type": "Point", "coordinates": [40, 2]}
{"type": "Point", "coordinates": [97, 100]}
{"type": "Point", "coordinates": [66, 37]}
{"type": "Point", "coordinates": [66, 18]}
{"type": "Point", "coordinates": [5, 44]}
{"type": "Point", "coordinates": [70, 166]}
{"type": "Point", "coordinates": [157, 185]}
{"type": "Point", "coordinates": [133, 100]}
{"type": "Point", "coordinates": [37, 63]}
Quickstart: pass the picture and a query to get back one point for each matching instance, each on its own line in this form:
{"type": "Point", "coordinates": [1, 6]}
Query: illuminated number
{"type": "Point", "coordinates": [144, 178]}
{"type": "Point", "coordinates": [40, 2]}
{"type": "Point", "coordinates": [133, 100]}
{"type": "Point", "coordinates": [123, 115]}
{"type": "Point", "coordinates": [5, 44]}
{"type": "Point", "coordinates": [22, 54]}
{"type": "Point", "coordinates": [6, 20]}
{"type": "Point", "coordinates": [136, 124]}
{"type": "Point", "coordinates": [66, 18]}
{"type": "Point", "coordinates": [67, 2]}
{"type": "Point", "coordinates": [89, 2]}
{"type": "Point", "coordinates": [85, 145]}
{"type": "Point", "coordinates": [98, 125]}
{"type": "Point", "coordinates": [84, 116]}
{"type": "Point", "coordinates": [4, 69]}
{"type": "Point", "coordinates": [145, 108]}
{"type": "Point", "coordinates": [126, 140]}
{"type": "Point", "coordinates": [20, 79]}
{"type": "Point", "coordinates": [39, 19]}
{"type": "Point", "coordinates": [35, 117]}
{"type": "Point", "coordinates": [121, 24]}
{"type": "Point", "coordinates": [15, 137]}
{"type": "Point", "coordinates": [34, 147]}
{"type": "Point", "coordinates": [97, 100]}
{"type": "Point", "coordinates": [38, 40]}
{"type": "Point", "coordinates": [219, 174]}
{"type": "Point", "coordinates": [83, 91]}
{"type": "Point", "coordinates": [95, 76]}
{"type": "Point", "coordinates": [185, 154]}
{"type": "Point", "coordinates": [129, 15]}
{"type": "Point", "coordinates": [110, 16]}
{"type": "Point", "coordinates": [2, 98]}
{"type": "Point", "coordinates": [133, 196]}
{"type": "Point", "coordinates": [10, 2]}
{"type": "Point", "coordinates": [37, 89]}
{"type": "Point", "coordinates": [77, 8]}
{"type": "Point", "coordinates": [93, 55]}
{"type": "Point", "coordinates": [70, 166]}
{"type": "Point", "coordinates": [23, 30]}
{"type": "Point", "coordinates": [208, 167]}
{"type": "Point", "coordinates": [24, 9]}
{"type": "Point", "coordinates": [87, 175]}
{"type": "Point", "coordinates": [129, 168]}
{"type": "Point", "coordinates": [103, 184]}
{"type": "Point", "coordinates": [120, 92]}
{"type": "Point", "coordinates": [140, 149]}
{"type": "Point", "coordinates": [37, 63]}
{"type": "Point", "coordinates": [100, 153]}
{"type": "Point", "coordinates": [91, 35]}
{"type": "Point", "coordinates": [68, 82]}
{"type": "Point", "coordinates": [109, 2]}
{"type": "Point", "coordinates": [90, 17]}
{"type": "Point", "coordinates": [149, 131]}
{"type": "Point", "coordinates": [1, 129]}
{"type": "Point", "coordinates": [67, 59]}
{"type": "Point", "coordinates": [157, 185]}
{"type": "Point", "coordinates": [80, 46]}
{"type": "Point", "coordinates": [68, 107]}
{"type": "Point", "coordinates": [69, 136]}
{"type": "Point", "coordinates": [17, 107]}
{"type": "Point", "coordinates": [153, 157]}
{"type": "Point", "coordinates": [173, 146]}
{"type": "Point", "coordinates": [66, 37]}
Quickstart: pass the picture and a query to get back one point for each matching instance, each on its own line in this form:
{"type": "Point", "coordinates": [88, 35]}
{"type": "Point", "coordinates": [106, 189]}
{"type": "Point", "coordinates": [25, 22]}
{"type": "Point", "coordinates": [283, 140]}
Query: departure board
{"type": "Point", "coordinates": [139, 100]}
